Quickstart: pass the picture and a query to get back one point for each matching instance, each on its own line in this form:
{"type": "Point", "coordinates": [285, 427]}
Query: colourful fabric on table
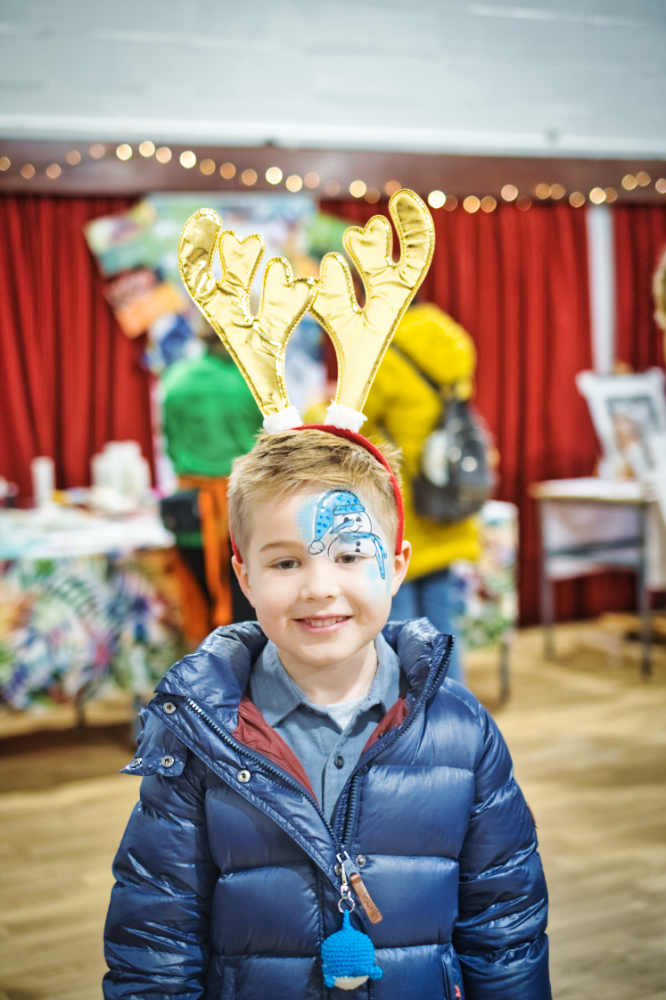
{"type": "Point", "coordinates": [210, 416]}
{"type": "Point", "coordinates": [71, 629]}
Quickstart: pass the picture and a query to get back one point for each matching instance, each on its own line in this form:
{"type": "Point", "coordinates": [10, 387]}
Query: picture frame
{"type": "Point", "coordinates": [629, 416]}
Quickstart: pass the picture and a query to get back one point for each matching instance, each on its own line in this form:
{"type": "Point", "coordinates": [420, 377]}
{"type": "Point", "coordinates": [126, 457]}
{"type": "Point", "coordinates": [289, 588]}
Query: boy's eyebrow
{"type": "Point", "coordinates": [279, 545]}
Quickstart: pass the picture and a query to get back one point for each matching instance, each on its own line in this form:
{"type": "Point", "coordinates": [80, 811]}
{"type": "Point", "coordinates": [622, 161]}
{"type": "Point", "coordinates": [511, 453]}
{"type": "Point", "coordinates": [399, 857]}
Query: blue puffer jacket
{"type": "Point", "coordinates": [226, 882]}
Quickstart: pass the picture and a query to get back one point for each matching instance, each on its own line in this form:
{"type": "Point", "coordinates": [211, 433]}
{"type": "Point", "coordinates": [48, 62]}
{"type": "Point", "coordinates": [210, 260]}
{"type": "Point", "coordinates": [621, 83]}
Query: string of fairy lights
{"type": "Point", "coordinates": [332, 188]}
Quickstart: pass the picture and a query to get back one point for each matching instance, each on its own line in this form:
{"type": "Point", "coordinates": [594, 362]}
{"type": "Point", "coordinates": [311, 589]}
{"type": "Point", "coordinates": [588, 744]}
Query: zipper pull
{"type": "Point", "coordinates": [359, 887]}
{"type": "Point", "coordinates": [346, 901]}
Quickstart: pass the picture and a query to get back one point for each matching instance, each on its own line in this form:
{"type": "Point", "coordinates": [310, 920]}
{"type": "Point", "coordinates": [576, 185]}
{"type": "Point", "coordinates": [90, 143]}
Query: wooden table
{"type": "Point", "coordinates": [587, 526]}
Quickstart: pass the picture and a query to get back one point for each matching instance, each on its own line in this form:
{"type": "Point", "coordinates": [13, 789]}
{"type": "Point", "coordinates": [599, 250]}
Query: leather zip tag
{"type": "Point", "coordinates": [374, 916]}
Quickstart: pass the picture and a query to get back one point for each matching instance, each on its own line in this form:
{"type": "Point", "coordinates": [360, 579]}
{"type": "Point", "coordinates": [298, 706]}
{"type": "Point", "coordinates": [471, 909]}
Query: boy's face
{"type": "Point", "coordinates": [320, 573]}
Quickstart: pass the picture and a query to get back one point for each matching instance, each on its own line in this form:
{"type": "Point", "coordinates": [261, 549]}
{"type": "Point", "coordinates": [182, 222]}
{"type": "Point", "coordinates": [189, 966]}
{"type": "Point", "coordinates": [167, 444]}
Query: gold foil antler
{"type": "Point", "coordinates": [361, 336]}
{"type": "Point", "coordinates": [256, 343]}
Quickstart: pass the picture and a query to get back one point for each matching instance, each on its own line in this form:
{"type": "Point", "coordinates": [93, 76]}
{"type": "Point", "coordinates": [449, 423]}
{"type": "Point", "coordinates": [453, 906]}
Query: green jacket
{"type": "Point", "coordinates": [209, 414]}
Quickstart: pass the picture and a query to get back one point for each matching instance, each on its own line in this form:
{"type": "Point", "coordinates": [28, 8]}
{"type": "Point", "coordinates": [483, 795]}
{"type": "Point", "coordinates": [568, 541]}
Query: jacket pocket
{"type": "Point", "coordinates": [453, 984]}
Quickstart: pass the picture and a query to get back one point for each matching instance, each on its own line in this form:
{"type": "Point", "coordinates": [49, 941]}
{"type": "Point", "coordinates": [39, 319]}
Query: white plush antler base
{"type": "Point", "coordinates": [344, 417]}
{"type": "Point", "coordinates": [285, 420]}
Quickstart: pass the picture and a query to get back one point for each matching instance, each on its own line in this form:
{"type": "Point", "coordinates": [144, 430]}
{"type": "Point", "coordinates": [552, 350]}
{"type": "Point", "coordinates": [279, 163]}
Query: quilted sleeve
{"type": "Point", "coordinates": [156, 936]}
{"type": "Point", "coordinates": [500, 935]}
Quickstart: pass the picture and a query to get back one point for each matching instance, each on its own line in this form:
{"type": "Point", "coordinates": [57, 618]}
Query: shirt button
{"type": "Point", "coordinates": [339, 761]}
{"type": "Point", "coordinates": [243, 777]}
{"type": "Point", "coordinates": [167, 761]}
{"type": "Point", "coordinates": [169, 707]}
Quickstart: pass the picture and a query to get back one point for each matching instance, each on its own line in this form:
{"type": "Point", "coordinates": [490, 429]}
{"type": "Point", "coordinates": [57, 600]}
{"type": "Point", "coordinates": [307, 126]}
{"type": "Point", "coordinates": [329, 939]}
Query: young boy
{"type": "Point", "coordinates": [318, 762]}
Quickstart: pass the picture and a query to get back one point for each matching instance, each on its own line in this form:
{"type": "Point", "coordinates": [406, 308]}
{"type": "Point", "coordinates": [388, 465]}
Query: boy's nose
{"type": "Point", "coordinates": [320, 582]}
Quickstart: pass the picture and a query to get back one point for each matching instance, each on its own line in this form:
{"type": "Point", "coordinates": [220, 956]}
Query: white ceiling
{"type": "Point", "coordinates": [550, 77]}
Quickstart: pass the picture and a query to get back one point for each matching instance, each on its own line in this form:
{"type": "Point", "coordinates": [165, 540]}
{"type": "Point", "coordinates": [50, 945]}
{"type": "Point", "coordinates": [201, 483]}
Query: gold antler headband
{"type": "Point", "coordinates": [360, 336]}
{"type": "Point", "coordinates": [256, 343]}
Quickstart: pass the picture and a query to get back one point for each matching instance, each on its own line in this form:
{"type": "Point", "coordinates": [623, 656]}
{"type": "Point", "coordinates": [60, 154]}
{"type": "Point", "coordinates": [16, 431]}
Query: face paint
{"type": "Point", "coordinates": [342, 526]}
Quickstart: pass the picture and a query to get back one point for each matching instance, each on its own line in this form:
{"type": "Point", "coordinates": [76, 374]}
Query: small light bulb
{"type": "Point", "coordinates": [53, 171]}
{"type": "Point", "coordinates": [124, 151]}
{"type": "Point", "coordinates": [471, 203]}
{"type": "Point", "coordinates": [660, 185]}
{"type": "Point", "coordinates": [542, 191]}
{"type": "Point", "coordinates": [5, 163]}
{"type": "Point", "coordinates": [163, 154]}
{"type": "Point", "coordinates": [576, 199]}
{"type": "Point", "coordinates": [629, 182]}
{"type": "Point", "coordinates": [273, 175]}
{"type": "Point", "coordinates": [509, 192]}
{"type": "Point", "coordinates": [597, 196]}
{"type": "Point", "coordinates": [372, 196]}
{"type": "Point", "coordinates": [293, 183]}
{"type": "Point", "coordinates": [488, 204]}
{"type": "Point", "coordinates": [147, 148]}
{"type": "Point", "coordinates": [357, 189]}
{"type": "Point", "coordinates": [643, 178]}
{"type": "Point", "coordinates": [207, 167]}
{"type": "Point", "coordinates": [332, 188]}
{"type": "Point", "coordinates": [227, 170]}
{"type": "Point", "coordinates": [391, 187]}
{"type": "Point", "coordinates": [188, 159]}
{"type": "Point", "coordinates": [27, 171]}
{"type": "Point", "coordinates": [436, 199]}
{"type": "Point", "coordinates": [73, 157]}
{"type": "Point", "coordinates": [97, 150]}
{"type": "Point", "coordinates": [312, 180]}
{"type": "Point", "coordinates": [249, 177]}
{"type": "Point", "coordinates": [557, 191]}
{"type": "Point", "coordinates": [523, 203]}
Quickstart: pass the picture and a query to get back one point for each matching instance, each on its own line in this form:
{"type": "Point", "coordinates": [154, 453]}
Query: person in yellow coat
{"type": "Point", "coordinates": [402, 407]}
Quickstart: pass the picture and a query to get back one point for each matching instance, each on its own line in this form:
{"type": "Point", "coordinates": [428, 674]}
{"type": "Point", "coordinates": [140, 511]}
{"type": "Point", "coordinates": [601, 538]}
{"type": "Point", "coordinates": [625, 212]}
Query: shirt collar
{"type": "Point", "coordinates": [276, 695]}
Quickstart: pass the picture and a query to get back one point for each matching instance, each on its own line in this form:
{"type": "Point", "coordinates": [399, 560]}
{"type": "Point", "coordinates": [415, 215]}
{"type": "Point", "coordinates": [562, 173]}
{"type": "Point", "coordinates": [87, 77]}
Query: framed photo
{"type": "Point", "coordinates": [629, 415]}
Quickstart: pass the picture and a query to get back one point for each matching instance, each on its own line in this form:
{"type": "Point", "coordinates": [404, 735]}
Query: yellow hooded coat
{"type": "Point", "coordinates": [404, 408]}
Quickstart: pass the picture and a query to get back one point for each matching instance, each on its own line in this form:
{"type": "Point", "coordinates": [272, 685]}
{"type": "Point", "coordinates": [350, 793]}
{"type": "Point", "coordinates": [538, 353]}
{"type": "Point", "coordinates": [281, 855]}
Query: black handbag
{"type": "Point", "coordinates": [454, 479]}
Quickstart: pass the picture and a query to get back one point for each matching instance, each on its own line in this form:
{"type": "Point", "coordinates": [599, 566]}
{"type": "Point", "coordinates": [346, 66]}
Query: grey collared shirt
{"type": "Point", "coordinates": [327, 751]}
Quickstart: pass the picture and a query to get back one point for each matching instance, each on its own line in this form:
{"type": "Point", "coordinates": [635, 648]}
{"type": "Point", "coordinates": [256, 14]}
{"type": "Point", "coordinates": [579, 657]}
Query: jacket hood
{"type": "Point", "coordinates": [216, 675]}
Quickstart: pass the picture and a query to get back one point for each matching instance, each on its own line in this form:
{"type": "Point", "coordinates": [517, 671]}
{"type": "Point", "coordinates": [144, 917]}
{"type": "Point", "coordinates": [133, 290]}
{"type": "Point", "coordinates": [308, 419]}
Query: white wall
{"type": "Point", "coordinates": [547, 76]}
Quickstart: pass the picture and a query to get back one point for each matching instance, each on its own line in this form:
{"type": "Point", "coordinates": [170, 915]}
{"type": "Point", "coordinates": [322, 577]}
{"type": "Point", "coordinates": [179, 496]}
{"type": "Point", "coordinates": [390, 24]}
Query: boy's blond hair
{"type": "Point", "coordinates": [280, 464]}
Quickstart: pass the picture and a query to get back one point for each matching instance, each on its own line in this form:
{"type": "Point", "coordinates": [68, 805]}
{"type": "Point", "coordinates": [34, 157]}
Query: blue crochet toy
{"type": "Point", "coordinates": [348, 958]}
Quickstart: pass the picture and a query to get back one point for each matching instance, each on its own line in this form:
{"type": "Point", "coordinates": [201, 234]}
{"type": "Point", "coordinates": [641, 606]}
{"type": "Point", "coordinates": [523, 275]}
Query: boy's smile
{"type": "Point", "coordinates": [321, 588]}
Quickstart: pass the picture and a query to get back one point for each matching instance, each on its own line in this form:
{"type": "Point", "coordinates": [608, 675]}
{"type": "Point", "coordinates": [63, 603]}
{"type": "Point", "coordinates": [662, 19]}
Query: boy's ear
{"type": "Point", "coordinates": [400, 567]}
{"type": "Point", "coordinates": [240, 569]}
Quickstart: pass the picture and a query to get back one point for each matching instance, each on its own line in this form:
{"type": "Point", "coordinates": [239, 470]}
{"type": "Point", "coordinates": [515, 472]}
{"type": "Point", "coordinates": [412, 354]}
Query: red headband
{"type": "Point", "coordinates": [342, 432]}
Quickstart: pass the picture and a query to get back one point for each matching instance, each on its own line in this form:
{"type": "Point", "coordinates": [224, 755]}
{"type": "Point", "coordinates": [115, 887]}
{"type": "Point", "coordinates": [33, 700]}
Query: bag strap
{"type": "Point", "coordinates": [445, 394]}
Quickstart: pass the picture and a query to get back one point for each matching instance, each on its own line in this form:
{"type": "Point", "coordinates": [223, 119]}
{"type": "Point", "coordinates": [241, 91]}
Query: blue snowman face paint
{"type": "Point", "coordinates": [342, 526]}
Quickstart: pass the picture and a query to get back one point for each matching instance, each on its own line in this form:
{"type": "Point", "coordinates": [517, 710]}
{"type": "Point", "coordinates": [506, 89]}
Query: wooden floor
{"type": "Point", "coordinates": [588, 738]}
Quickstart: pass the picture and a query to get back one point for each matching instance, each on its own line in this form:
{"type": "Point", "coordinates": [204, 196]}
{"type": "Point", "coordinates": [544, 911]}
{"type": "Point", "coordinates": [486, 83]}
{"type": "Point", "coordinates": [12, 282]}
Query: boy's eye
{"type": "Point", "coordinates": [285, 564]}
{"type": "Point", "coordinates": [350, 557]}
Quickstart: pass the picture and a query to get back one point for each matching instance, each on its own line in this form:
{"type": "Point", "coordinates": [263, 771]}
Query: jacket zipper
{"type": "Point", "coordinates": [353, 792]}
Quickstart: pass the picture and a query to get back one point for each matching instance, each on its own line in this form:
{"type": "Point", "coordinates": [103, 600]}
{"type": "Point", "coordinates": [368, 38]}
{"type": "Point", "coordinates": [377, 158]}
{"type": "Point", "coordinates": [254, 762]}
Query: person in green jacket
{"type": "Point", "coordinates": [209, 414]}
{"type": "Point", "coordinates": [209, 418]}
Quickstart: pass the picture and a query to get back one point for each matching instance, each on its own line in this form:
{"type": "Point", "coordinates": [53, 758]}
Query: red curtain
{"type": "Point", "coordinates": [72, 379]}
{"type": "Point", "coordinates": [640, 239]}
{"type": "Point", "coordinates": [518, 282]}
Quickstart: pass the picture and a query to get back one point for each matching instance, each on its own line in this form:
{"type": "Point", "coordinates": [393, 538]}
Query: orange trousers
{"type": "Point", "coordinates": [200, 618]}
